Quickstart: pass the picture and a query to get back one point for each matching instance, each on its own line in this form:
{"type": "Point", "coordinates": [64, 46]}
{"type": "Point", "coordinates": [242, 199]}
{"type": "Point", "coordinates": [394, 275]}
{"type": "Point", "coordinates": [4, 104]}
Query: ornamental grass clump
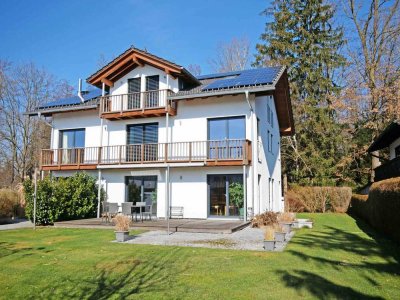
{"type": "Point", "coordinates": [121, 223]}
{"type": "Point", "coordinates": [264, 219]}
{"type": "Point", "coordinates": [269, 233]}
{"type": "Point", "coordinates": [286, 217]}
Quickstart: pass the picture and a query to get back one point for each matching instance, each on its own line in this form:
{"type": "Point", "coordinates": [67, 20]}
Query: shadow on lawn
{"type": "Point", "coordinates": [332, 239]}
{"type": "Point", "coordinates": [123, 278]}
{"type": "Point", "coordinates": [7, 249]}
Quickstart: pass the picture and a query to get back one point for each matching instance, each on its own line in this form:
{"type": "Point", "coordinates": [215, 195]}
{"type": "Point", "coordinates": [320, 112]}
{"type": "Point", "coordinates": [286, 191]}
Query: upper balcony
{"type": "Point", "coordinates": [136, 105]}
{"type": "Point", "coordinates": [208, 153]}
{"type": "Point", "coordinates": [388, 170]}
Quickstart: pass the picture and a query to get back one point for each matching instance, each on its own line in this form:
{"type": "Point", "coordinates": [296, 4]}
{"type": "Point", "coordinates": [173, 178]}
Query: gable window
{"type": "Point", "coordinates": [134, 88]}
{"type": "Point", "coordinates": [152, 93]}
{"type": "Point", "coordinates": [142, 142]}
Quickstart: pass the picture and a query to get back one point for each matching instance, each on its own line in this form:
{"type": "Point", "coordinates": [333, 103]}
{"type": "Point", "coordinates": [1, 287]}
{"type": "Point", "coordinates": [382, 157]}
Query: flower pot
{"type": "Point", "coordinates": [287, 227]}
{"type": "Point", "coordinates": [300, 223]}
{"type": "Point", "coordinates": [121, 236]}
{"type": "Point", "coordinates": [269, 245]}
{"type": "Point", "coordinates": [280, 236]}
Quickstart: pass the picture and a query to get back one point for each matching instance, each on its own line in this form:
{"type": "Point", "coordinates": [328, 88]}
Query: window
{"type": "Point", "coordinates": [72, 138]}
{"type": "Point", "coordinates": [134, 89]}
{"type": "Point", "coordinates": [141, 189]}
{"type": "Point", "coordinates": [138, 134]}
{"type": "Point", "coordinates": [397, 151]}
{"type": "Point", "coordinates": [152, 87]}
{"type": "Point", "coordinates": [226, 137]}
{"type": "Point", "coordinates": [69, 141]}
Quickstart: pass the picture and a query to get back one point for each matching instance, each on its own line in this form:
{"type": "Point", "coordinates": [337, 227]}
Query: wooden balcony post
{"type": "Point", "coordinates": [142, 152]}
{"type": "Point", "coordinates": [79, 157]}
{"type": "Point", "coordinates": [122, 104]}
{"type": "Point", "coordinates": [190, 151]}
{"type": "Point", "coordinates": [99, 155]}
{"type": "Point", "coordinates": [120, 154]}
{"type": "Point", "coordinates": [166, 152]}
{"type": "Point", "coordinates": [59, 157]}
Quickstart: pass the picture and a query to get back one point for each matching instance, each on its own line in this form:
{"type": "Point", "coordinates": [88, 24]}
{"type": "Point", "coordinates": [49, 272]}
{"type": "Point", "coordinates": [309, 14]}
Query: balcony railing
{"type": "Point", "coordinates": [225, 152]}
{"type": "Point", "coordinates": [136, 104]}
{"type": "Point", "coordinates": [388, 170]}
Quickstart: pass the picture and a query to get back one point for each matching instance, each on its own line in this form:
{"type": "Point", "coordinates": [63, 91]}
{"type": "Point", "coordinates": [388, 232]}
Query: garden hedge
{"type": "Point", "coordinates": [381, 207]}
{"type": "Point", "coordinates": [62, 199]}
{"type": "Point", "coordinates": [318, 199]}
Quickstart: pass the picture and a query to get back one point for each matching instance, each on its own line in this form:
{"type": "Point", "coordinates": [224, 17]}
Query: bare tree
{"type": "Point", "coordinates": [373, 78]}
{"type": "Point", "coordinates": [194, 69]}
{"type": "Point", "coordinates": [23, 88]}
{"type": "Point", "coordinates": [231, 56]}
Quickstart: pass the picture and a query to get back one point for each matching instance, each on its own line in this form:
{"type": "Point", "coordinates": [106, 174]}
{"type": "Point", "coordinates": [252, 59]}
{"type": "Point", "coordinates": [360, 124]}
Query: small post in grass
{"type": "Point", "coordinates": [34, 200]}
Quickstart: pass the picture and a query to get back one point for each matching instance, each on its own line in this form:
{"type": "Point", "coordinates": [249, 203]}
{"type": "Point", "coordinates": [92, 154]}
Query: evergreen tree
{"type": "Point", "coordinates": [301, 35]}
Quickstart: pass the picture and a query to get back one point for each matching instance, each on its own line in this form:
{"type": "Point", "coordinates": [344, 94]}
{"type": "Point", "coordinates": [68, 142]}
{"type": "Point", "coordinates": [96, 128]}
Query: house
{"type": "Point", "coordinates": [389, 138]}
{"type": "Point", "coordinates": [153, 132]}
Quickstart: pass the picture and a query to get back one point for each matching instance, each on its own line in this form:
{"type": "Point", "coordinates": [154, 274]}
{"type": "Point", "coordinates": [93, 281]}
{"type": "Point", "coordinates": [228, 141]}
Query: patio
{"type": "Point", "coordinates": [176, 225]}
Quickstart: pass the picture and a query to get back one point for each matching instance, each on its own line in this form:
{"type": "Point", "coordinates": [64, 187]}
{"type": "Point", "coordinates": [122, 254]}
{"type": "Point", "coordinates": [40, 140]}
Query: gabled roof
{"type": "Point", "coordinates": [132, 58]}
{"type": "Point", "coordinates": [74, 100]}
{"type": "Point", "coordinates": [261, 81]}
{"type": "Point", "coordinates": [388, 136]}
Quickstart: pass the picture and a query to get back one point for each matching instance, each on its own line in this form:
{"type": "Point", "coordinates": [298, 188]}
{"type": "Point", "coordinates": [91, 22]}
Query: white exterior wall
{"type": "Point", "coordinates": [392, 147]}
{"type": "Point", "coordinates": [268, 163]}
{"type": "Point", "coordinates": [188, 185]}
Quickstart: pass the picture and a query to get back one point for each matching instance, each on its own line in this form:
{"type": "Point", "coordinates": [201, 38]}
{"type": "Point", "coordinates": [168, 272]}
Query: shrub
{"type": "Point", "coordinates": [381, 207]}
{"type": "Point", "coordinates": [318, 199]}
{"type": "Point", "coordinates": [268, 218]}
{"type": "Point", "coordinates": [62, 199]}
{"type": "Point", "coordinates": [286, 217]}
{"type": "Point", "coordinates": [9, 203]}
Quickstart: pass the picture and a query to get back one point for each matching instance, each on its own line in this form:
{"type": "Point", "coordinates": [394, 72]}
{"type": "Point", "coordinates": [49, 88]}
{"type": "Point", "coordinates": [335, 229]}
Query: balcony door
{"type": "Point", "coordinates": [134, 89]}
{"type": "Point", "coordinates": [152, 91]}
{"type": "Point", "coordinates": [142, 142]}
{"type": "Point", "coordinates": [226, 136]}
{"type": "Point", "coordinates": [70, 140]}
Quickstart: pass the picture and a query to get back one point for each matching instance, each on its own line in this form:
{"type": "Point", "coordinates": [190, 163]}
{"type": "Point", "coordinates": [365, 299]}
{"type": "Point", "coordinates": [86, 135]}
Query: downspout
{"type": "Point", "coordinates": [253, 157]}
{"type": "Point", "coordinates": [167, 200]}
{"type": "Point", "coordinates": [103, 93]}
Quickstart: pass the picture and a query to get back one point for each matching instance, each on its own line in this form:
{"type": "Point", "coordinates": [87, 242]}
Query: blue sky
{"type": "Point", "coordinates": [68, 37]}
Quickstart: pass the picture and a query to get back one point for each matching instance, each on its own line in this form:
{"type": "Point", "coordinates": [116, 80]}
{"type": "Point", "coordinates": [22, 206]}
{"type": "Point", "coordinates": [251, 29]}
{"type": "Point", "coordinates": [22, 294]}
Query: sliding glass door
{"type": "Point", "coordinates": [222, 190]}
{"type": "Point", "coordinates": [141, 189]}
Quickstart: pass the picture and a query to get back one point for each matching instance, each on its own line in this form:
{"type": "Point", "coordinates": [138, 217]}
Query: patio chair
{"type": "Point", "coordinates": [148, 211]}
{"type": "Point", "coordinates": [112, 210]}
{"type": "Point", "coordinates": [141, 206]}
{"type": "Point", "coordinates": [104, 211]}
{"type": "Point", "coordinates": [127, 209]}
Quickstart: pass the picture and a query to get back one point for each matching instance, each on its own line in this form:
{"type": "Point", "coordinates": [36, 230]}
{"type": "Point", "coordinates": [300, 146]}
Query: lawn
{"type": "Point", "coordinates": [339, 258]}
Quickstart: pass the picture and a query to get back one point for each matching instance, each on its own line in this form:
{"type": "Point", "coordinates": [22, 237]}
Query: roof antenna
{"type": "Point", "coordinates": [80, 90]}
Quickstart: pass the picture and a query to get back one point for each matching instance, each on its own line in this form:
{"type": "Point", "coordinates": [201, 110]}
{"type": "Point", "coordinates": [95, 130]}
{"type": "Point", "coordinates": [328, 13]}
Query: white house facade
{"type": "Point", "coordinates": [155, 133]}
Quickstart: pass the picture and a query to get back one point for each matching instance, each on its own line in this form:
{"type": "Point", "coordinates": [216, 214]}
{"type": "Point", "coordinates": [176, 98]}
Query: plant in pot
{"type": "Point", "coordinates": [236, 196]}
{"type": "Point", "coordinates": [269, 238]}
{"type": "Point", "coordinates": [154, 200]}
{"type": "Point", "coordinates": [286, 220]}
{"type": "Point", "coordinates": [280, 234]}
{"type": "Point", "coordinates": [121, 227]}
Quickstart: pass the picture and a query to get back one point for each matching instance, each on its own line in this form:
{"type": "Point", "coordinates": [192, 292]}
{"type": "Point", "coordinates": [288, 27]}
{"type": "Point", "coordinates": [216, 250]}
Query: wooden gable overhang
{"type": "Point", "coordinates": [133, 58]}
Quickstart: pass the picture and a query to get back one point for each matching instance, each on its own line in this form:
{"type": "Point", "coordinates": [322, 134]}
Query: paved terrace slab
{"type": "Point", "coordinates": [176, 225]}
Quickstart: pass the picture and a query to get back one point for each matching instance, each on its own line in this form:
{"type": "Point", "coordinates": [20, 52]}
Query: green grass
{"type": "Point", "coordinates": [339, 258]}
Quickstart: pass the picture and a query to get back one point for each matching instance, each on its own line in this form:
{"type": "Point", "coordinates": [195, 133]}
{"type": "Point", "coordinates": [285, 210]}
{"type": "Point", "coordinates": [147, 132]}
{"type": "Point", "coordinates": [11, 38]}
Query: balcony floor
{"type": "Point", "coordinates": [146, 113]}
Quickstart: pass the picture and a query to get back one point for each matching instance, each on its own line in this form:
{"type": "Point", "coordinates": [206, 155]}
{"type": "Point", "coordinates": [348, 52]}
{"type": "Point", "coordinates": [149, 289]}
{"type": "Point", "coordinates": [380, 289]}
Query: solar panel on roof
{"type": "Point", "coordinates": [218, 75]}
{"type": "Point", "coordinates": [74, 100]}
{"type": "Point", "coordinates": [246, 78]}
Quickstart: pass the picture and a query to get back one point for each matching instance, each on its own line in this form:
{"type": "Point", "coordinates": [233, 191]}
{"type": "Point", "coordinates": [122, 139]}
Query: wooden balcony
{"type": "Point", "coordinates": [211, 153]}
{"type": "Point", "coordinates": [388, 170]}
{"type": "Point", "coordinates": [137, 105]}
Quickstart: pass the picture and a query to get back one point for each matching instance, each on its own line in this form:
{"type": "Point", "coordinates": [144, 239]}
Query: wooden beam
{"type": "Point", "coordinates": [136, 61]}
{"type": "Point", "coordinates": [122, 71]}
{"type": "Point", "coordinates": [107, 82]}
